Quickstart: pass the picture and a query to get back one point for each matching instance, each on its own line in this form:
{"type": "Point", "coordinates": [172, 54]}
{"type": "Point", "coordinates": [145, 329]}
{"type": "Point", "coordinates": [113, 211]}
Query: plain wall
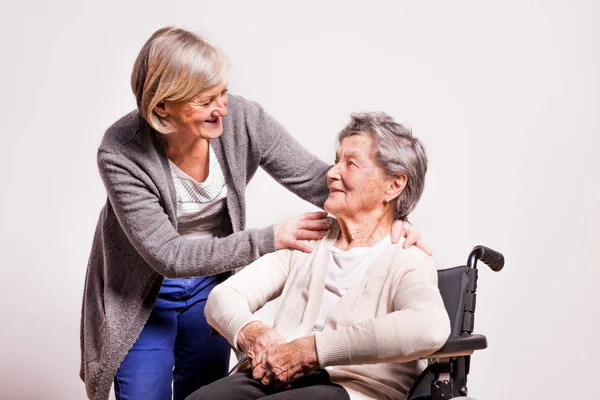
{"type": "Point", "coordinates": [505, 96]}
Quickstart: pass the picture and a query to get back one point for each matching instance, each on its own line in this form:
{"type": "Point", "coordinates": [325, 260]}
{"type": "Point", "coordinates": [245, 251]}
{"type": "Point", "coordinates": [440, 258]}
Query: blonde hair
{"type": "Point", "coordinates": [174, 65]}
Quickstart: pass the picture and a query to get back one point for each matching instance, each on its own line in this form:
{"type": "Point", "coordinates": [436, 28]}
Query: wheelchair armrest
{"type": "Point", "coordinates": [242, 365]}
{"type": "Point", "coordinates": [460, 346]}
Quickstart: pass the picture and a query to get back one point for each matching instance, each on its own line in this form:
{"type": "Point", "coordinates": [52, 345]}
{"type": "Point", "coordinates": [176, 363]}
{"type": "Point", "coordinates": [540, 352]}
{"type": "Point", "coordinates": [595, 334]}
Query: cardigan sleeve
{"type": "Point", "coordinates": [230, 305]}
{"type": "Point", "coordinates": [417, 326]}
{"type": "Point", "coordinates": [136, 203]}
{"type": "Point", "coordinates": [286, 160]}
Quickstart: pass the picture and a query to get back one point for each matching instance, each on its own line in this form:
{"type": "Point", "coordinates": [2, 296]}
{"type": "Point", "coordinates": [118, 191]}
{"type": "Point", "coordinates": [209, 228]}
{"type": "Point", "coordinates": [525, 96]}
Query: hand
{"type": "Point", "coordinates": [255, 337]}
{"type": "Point", "coordinates": [312, 225]}
{"type": "Point", "coordinates": [284, 363]}
{"type": "Point", "coordinates": [412, 235]}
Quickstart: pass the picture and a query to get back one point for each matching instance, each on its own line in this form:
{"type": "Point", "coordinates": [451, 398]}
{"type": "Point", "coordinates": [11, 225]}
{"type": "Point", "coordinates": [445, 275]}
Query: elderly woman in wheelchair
{"type": "Point", "coordinates": [356, 314]}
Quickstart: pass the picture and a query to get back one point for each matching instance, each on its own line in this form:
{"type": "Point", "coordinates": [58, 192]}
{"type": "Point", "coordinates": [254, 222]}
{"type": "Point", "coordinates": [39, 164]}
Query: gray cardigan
{"type": "Point", "coordinates": [136, 242]}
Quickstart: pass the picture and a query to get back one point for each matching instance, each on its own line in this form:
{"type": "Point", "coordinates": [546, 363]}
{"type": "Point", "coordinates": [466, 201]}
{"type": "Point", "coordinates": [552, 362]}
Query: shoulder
{"type": "Point", "coordinates": [411, 259]}
{"type": "Point", "coordinates": [329, 238]}
{"type": "Point", "coordinates": [241, 108]}
{"type": "Point", "coordinates": [122, 132]}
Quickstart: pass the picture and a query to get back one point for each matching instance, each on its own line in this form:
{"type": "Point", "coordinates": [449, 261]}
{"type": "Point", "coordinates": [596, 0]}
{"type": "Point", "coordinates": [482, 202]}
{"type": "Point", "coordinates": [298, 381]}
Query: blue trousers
{"type": "Point", "coordinates": [175, 348]}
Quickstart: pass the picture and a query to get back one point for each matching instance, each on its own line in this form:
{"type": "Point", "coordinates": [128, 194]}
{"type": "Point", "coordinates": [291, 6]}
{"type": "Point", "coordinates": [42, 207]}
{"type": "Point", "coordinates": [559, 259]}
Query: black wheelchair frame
{"type": "Point", "coordinates": [446, 375]}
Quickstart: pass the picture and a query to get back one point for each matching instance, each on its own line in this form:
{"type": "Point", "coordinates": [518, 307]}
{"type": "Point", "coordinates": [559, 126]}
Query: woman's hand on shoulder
{"type": "Point", "coordinates": [307, 226]}
{"type": "Point", "coordinates": [412, 235]}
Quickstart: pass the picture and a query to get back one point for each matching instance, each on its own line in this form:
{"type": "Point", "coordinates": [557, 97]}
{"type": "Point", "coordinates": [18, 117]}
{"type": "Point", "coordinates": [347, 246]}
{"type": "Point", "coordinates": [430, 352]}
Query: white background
{"type": "Point", "coordinates": [505, 96]}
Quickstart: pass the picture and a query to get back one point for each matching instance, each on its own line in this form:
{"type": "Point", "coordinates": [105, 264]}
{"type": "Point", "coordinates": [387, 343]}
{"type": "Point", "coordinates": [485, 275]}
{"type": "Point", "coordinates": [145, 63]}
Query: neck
{"type": "Point", "coordinates": [190, 154]}
{"type": "Point", "coordinates": [181, 148]}
{"type": "Point", "coordinates": [364, 230]}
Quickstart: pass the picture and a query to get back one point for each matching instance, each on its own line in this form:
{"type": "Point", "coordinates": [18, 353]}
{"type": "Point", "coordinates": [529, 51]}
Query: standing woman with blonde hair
{"type": "Point", "coordinates": [175, 171]}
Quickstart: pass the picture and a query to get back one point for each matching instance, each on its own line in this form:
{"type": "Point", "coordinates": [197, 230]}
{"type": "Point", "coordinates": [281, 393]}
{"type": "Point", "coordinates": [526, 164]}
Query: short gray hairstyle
{"type": "Point", "coordinates": [174, 65]}
{"type": "Point", "coordinates": [398, 152]}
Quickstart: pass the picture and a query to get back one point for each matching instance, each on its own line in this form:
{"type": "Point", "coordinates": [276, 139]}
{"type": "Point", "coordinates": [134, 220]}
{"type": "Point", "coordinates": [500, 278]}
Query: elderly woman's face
{"type": "Point", "coordinates": [357, 185]}
{"type": "Point", "coordinates": [203, 115]}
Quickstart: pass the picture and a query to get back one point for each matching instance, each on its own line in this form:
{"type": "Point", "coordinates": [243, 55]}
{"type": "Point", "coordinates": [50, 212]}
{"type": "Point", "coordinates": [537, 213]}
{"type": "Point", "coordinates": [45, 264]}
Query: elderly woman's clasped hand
{"type": "Point", "coordinates": [273, 360]}
{"type": "Point", "coordinates": [282, 364]}
{"type": "Point", "coordinates": [256, 337]}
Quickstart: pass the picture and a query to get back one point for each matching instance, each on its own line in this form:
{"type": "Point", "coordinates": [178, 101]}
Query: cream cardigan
{"type": "Point", "coordinates": [375, 334]}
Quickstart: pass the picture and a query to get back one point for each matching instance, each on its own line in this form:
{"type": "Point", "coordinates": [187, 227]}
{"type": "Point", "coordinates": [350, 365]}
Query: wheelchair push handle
{"type": "Point", "coordinates": [491, 258]}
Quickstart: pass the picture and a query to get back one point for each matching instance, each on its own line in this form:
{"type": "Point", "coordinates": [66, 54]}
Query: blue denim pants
{"type": "Point", "coordinates": [175, 349]}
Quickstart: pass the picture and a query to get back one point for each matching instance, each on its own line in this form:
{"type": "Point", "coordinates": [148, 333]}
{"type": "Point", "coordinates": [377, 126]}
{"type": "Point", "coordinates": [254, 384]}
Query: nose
{"type": "Point", "coordinates": [221, 106]}
{"type": "Point", "coordinates": [333, 173]}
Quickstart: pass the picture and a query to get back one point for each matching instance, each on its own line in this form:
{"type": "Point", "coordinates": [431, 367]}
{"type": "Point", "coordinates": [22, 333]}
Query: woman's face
{"type": "Point", "coordinates": [202, 116]}
{"type": "Point", "coordinates": [357, 185]}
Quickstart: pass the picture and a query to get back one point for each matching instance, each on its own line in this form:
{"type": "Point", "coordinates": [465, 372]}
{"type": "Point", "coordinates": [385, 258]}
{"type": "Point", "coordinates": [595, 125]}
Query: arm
{"type": "Point", "coordinates": [137, 205]}
{"type": "Point", "coordinates": [230, 305]}
{"type": "Point", "coordinates": [418, 326]}
{"type": "Point", "coordinates": [287, 161]}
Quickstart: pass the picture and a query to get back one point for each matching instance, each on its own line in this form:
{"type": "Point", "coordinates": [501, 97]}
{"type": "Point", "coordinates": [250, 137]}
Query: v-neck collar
{"type": "Point", "coordinates": [374, 275]}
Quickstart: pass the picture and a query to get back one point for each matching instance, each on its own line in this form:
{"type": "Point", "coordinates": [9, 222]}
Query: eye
{"type": "Point", "coordinates": [206, 103]}
{"type": "Point", "coordinates": [351, 162]}
{"type": "Point", "coordinates": [200, 103]}
{"type": "Point", "coordinates": [224, 92]}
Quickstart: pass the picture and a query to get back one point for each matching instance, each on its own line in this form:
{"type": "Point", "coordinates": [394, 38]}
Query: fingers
{"type": "Point", "coordinates": [412, 238]}
{"type": "Point", "coordinates": [318, 225]}
{"type": "Point", "coordinates": [265, 381]}
{"type": "Point", "coordinates": [304, 227]}
{"type": "Point", "coordinates": [258, 371]}
{"type": "Point", "coordinates": [301, 246]}
{"type": "Point", "coordinates": [420, 244]}
{"type": "Point", "coordinates": [313, 215]}
{"type": "Point", "coordinates": [304, 234]}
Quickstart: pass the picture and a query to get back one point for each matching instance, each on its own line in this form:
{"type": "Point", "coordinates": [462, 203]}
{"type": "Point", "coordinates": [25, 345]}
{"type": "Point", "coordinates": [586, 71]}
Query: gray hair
{"type": "Point", "coordinates": [398, 152]}
{"type": "Point", "coordinates": [174, 65]}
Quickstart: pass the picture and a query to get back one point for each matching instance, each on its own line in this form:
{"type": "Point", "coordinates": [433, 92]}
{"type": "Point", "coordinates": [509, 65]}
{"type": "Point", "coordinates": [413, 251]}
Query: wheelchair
{"type": "Point", "coordinates": [446, 374]}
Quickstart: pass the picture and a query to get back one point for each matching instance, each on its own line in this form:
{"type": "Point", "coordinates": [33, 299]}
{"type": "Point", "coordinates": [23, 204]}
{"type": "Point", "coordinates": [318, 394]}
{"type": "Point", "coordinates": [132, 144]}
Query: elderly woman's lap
{"type": "Point", "coordinates": [315, 385]}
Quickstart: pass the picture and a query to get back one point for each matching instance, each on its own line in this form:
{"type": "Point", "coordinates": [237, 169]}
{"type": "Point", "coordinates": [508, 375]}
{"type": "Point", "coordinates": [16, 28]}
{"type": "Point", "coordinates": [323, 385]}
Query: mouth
{"type": "Point", "coordinates": [212, 120]}
{"type": "Point", "coordinates": [334, 190]}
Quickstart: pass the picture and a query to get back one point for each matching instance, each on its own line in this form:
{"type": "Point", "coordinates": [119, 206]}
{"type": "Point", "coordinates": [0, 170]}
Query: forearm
{"type": "Point", "coordinates": [397, 337]}
{"type": "Point", "coordinates": [227, 311]}
{"type": "Point", "coordinates": [231, 305]}
{"type": "Point", "coordinates": [308, 182]}
{"type": "Point", "coordinates": [418, 326]}
{"type": "Point", "coordinates": [181, 257]}
{"type": "Point", "coordinates": [140, 210]}
{"type": "Point", "coordinates": [288, 162]}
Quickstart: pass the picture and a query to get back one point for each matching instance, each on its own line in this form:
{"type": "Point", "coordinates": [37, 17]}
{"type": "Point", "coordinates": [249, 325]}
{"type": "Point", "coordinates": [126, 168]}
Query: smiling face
{"type": "Point", "coordinates": [200, 117]}
{"type": "Point", "coordinates": [357, 185]}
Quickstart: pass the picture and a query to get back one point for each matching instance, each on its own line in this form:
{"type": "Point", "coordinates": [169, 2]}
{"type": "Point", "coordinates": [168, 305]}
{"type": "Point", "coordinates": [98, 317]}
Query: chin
{"type": "Point", "coordinates": [330, 207]}
{"type": "Point", "coordinates": [212, 133]}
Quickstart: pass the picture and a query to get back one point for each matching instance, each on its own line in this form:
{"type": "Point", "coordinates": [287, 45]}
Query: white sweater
{"type": "Point", "coordinates": [345, 270]}
{"type": "Point", "coordinates": [375, 334]}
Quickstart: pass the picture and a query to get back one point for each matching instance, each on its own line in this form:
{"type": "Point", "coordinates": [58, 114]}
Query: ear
{"type": "Point", "coordinates": [161, 110]}
{"type": "Point", "coordinates": [396, 187]}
